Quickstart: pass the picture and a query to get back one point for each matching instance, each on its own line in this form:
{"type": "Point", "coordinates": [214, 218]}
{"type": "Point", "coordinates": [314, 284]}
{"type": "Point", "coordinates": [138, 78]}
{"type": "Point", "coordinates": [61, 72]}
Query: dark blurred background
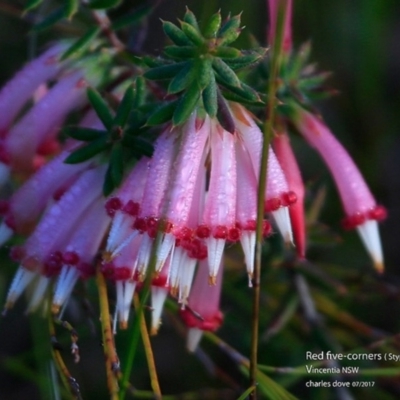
{"type": "Point", "coordinates": [358, 41]}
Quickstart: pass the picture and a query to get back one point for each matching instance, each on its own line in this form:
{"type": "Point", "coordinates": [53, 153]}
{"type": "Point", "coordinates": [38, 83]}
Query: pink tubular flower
{"type": "Point", "coordinates": [202, 312]}
{"type": "Point", "coordinates": [278, 197]}
{"type": "Point", "coordinates": [287, 160]}
{"type": "Point", "coordinates": [273, 6]}
{"type": "Point", "coordinates": [42, 122]}
{"type": "Point", "coordinates": [359, 204]}
{"type": "Point", "coordinates": [20, 89]}
{"type": "Point", "coordinates": [29, 201]}
{"type": "Point", "coordinates": [42, 252]}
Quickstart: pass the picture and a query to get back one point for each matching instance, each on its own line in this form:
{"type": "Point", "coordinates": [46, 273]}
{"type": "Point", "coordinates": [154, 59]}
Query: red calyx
{"type": "Point", "coordinates": [112, 205]}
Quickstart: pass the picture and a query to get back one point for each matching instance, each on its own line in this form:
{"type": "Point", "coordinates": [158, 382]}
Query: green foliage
{"type": "Point", "coordinates": [199, 62]}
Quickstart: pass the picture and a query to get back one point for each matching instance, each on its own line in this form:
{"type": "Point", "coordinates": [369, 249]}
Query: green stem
{"type": "Point", "coordinates": [268, 131]}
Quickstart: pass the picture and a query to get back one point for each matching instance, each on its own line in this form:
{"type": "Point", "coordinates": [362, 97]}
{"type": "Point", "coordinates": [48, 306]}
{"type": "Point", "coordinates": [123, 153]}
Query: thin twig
{"type": "Point", "coordinates": [148, 350]}
{"type": "Point", "coordinates": [268, 131]}
{"type": "Point", "coordinates": [68, 380]}
{"type": "Point", "coordinates": [112, 362]}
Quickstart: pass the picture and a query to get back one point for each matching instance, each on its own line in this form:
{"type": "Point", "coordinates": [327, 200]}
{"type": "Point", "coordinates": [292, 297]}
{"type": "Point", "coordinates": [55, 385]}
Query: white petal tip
{"type": "Point", "coordinates": [193, 339]}
{"type": "Point", "coordinates": [282, 220]}
{"type": "Point", "coordinates": [5, 233]}
{"type": "Point", "coordinates": [369, 234]}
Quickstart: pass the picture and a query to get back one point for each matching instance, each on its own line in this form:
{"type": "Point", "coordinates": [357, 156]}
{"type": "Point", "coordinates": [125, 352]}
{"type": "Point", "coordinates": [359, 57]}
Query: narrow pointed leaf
{"type": "Point", "coordinates": [108, 184]}
{"type": "Point", "coordinates": [210, 101]}
{"type": "Point", "coordinates": [180, 51]}
{"type": "Point", "coordinates": [131, 18]}
{"type": "Point", "coordinates": [213, 25]}
{"type": "Point", "coordinates": [124, 108]}
{"type": "Point", "coordinates": [140, 92]}
{"type": "Point", "coordinates": [142, 147]}
{"type": "Point", "coordinates": [104, 4]}
{"type": "Point", "coordinates": [50, 20]}
{"type": "Point", "coordinates": [191, 19]}
{"type": "Point", "coordinates": [192, 33]}
{"type": "Point", "coordinates": [245, 91]}
{"type": "Point", "coordinates": [230, 30]}
{"type": "Point", "coordinates": [88, 151]}
{"type": "Point", "coordinates": [162, 114]}
{"type": "Point", "coordinates": [31, 5]}
{"type": "Point", "coordinates": [182, 80]}
{"type": "Point", "coordinates": [245, 60]}
{"type": "Point", "coordinates": [71, 8]}
{"type": "Point", "coordinates": [176, 34]}
{"type": "Point", "coordinates": [117, 164]}
{"type": "Point", "coordinates": [204, 73]}
{"type": "Point", "coordinates": [224, 115]}
{"type": "Point", "coordinates": [101, 108]}
{"type": "Point", "coordinates": [228, 52]}
{"type": "Point", "coordinates": [82, 43]}
{"type": "Point", "coordinates": [186, 105]}
{"type": "Point", "coordinates": [225, 73]}
{"type": "Point", "coordinates": [84, 134]}
{"type": "Point", "coordinates": [164, 71]}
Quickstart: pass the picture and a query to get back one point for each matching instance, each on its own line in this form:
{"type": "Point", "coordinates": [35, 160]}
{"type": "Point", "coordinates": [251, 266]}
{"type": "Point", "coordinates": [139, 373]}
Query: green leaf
{"type": "Point", "coordinates": [84, 134]}
{"type": "Point", "coordinates": [50, 20]}
{"type": "Point", "coordinates": [104, 4]}
{"type": "Point", "coordinates": [228, 52]}
{"type": "Point", "coordinates": [31, 5]}
{"type": "Point", "coordinates": [124, 108]}
{"type": "Point", "coordinates": [210, 98]}
{"type": "Point", "coordinates": [131, 18]}
{"type": "Point", "coordinates": [142, 147]}
{"type": "Point", "coordinates": [82, 43]}
{"type": "Point", "coordinates": [175, 34]}
{"type": "Point", "coordinates": [88, 151]}
{"type": "Point", "coordinates": [162, 114]}
{"type": "Point", "coordinates": [245, 60]}
{"type": "Point", "coordinates": [182, 79]}
{"type": "Point", "coordinates": [225, 73]}
{"type": "Point", "coordinates": [245, 394]}
{"type": "Point", "coordinates": [117, 164]}
{"type": "Point", "coordinates": [245, 91]}
{"type": "Point", "coordinates": [230, 30]}
{"type": "Point", "coordinates": [191, 19]}
{"type": "Point", "coordinates": [108, 184]}
{"type": "Point", "coordinates": [164, 71]}
{"type": "Point", "coordinates": [101, 107]}
{"type": "Point", "coordinates": [204, 72]}
{"type": "Point", "coordinates": [213, 25]}
{"type": "Point", "coordinates": [140, 92]}
{"type": "Point", "coordinates": [192, 33]}
{"type": "Point", "coordinates": [180, 51]}
{"type": "Point", "coordinates": [186, 105]}
{"type": "Point", "coordinates": [71, 8]}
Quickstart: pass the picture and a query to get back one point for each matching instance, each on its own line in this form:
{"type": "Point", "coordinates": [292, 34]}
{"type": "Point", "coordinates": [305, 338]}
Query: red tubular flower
{"type": "Point", "coordinates": [359, 204]}
{"type": "Point", "coordinates": [287, 160]}
{"type": "Point", "coordinates": [202, 312]}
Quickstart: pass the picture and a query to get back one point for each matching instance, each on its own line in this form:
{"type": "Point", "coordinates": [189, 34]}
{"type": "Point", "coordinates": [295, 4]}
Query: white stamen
{"type": "Point", "coordinates": [186, 273]}
{"type": "Point", "coordinates": [215, 248]}
{"type": "Point", "coordinates": [176, 262]}
{"type": "Point", "coordinates": [248, 241]}
{"type": "Point", "coordinates": [120, 230]}
{"type": "Point", "coordinates": [21, 280]}
{"type": "Point", "coordinates": [125, 243]}
{"type": "Point", "coordinates": [369, 234]}
{"type": "Point", "coordinates": [282, 219]}
{"type": "Point", "coordinates": [65, 284]}
{"type": "Point", "coordinates": [129, 290]}
{"type": "Point", "coordinates": [158, 296]}
{"type": "Point", "coordinates": [193, 339]}
{"type": "Point", "coordinates": [38, 293]}
{"type": "Point", "coordinates": [164, 249]}
{"type": "Point", "coordinates": [144, 255]}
